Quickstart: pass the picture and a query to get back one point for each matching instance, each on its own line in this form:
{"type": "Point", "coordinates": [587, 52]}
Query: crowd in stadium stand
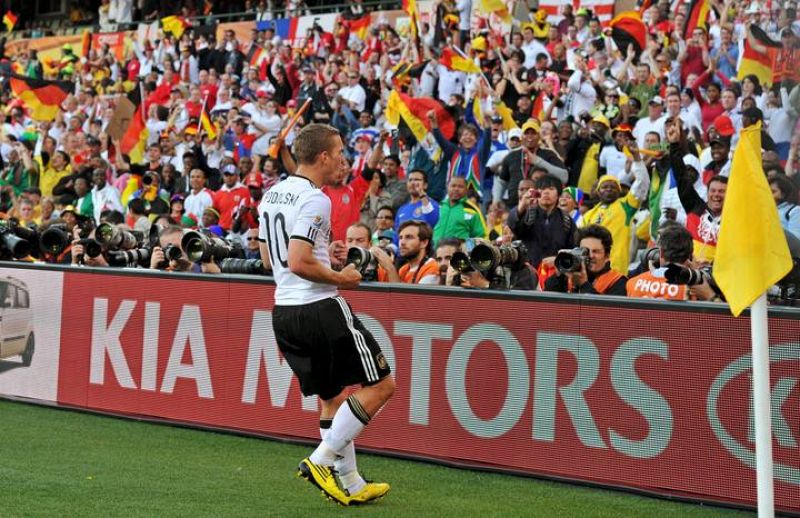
{"type": "Point", "coordinates": [535, 134]}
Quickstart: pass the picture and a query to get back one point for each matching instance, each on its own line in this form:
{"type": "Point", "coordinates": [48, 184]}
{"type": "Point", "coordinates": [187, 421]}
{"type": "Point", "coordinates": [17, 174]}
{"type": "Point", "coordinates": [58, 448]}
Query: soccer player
{"type": "Point", "coordinates": [327, 347]}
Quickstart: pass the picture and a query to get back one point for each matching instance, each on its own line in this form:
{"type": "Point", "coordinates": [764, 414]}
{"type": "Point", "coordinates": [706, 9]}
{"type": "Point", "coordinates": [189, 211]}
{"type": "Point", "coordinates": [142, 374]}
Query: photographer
{"type": "Point", "coordinates": [170, 239]}
{"type": "Point", "coordinates": [593, 274]}
{"type": "Point", "coordinates": [481, 264]}
{"type": "Point", "coordinates": [380, 266]}
{"type": "Point", "coordinates": [675, 247]}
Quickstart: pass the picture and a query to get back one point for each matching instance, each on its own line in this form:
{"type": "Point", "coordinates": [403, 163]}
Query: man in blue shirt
{"type": "Point", "coordinates": [420, 206]}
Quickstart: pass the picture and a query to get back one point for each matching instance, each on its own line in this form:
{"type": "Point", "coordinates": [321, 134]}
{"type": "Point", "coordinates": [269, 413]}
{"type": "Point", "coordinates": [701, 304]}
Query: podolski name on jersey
{"type": "Point", "coordinates": [280, 198]}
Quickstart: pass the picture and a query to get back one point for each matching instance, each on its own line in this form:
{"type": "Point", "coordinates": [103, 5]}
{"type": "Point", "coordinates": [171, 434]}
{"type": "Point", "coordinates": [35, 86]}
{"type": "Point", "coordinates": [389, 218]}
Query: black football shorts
{"type": "Point", "coordinates": [327, 347]}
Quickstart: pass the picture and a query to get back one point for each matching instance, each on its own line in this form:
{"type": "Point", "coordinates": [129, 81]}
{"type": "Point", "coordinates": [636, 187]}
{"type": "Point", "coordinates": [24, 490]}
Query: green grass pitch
{"type": "Point", "coordinates": [58, 463]}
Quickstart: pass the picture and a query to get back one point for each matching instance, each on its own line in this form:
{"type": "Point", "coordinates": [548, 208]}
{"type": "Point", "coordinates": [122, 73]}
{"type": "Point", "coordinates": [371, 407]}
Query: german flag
{"type": "Point", "coordinates": [134, 140]}
{"type": "Point", "coordinates": [628, 29]}
{"type": "Point", "coordinates": [360, 26]}
{"type": "Point", "coordinates": [760, 64]}
{"type": "Point", "coordinates": [9, 20]}
{"type": "Point", "coordinates": [414, 113]}
{"type": "Point", "coordinates": [43, 98]}
{"type": "Point", "coordinates": [455, 61]}
{"type": "Point", "coordinates": [696, 17]}
{"type": "Point", "coordinates": [205, 121]}
{"type": "Point", "coordinates": [410, 7]}
{"type": "Point", "coordinates": [176, 25]}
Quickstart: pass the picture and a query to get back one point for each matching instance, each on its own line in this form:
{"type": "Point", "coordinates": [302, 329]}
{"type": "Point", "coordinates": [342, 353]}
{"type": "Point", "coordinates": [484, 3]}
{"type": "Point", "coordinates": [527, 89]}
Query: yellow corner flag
{"type": "Point", "coordinates": [752, 253]}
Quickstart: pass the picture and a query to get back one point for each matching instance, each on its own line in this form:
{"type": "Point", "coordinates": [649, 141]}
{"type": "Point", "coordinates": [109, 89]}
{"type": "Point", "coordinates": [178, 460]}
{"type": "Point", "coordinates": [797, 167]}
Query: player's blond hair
{"type": "Point", "coordinates": [313, 140]}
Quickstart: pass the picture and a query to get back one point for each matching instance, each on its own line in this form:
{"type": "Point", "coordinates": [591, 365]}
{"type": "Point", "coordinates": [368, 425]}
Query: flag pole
{"type": "Point", "coordinates": [202, 111]}
{"type": "Point", "coordinates": [761, 402]}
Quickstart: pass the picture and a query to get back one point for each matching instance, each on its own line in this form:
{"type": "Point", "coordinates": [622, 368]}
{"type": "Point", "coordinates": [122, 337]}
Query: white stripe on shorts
{"type": "Point", "coordinates": [363, 351]}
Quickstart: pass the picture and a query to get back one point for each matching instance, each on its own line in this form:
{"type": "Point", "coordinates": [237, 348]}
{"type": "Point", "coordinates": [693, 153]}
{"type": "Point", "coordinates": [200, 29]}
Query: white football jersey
{"type": "Point", "coordinates": [296, 209]}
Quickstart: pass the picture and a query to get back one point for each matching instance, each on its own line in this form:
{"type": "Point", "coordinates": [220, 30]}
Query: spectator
{"type": "Point", "coordinates": [458, 216]}
{"type": "Point", "coordinates": [420, 206]}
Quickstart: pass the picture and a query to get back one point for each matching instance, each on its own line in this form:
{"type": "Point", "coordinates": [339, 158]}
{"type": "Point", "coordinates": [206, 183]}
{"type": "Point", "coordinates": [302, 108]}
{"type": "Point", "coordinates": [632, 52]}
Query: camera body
{"type": "Point", "coordinates": [677, 274]}
{"type": "Point", "coordinates": [569, 261]}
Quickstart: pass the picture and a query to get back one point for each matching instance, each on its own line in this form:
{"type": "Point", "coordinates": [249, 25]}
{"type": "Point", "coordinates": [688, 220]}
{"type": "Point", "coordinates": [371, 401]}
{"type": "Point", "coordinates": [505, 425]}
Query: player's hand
{"type": "Point", "coordinates": [349, 277]}
{"type": "Point", "coordinates": [337, 251]}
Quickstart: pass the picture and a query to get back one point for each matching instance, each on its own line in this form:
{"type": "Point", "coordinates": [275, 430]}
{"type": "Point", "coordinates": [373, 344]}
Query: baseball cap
{"type": "Point", "coordinates": [497, 119]}
{"type": "Point", "coordinates": [261, 93]}
{"type": "Point", "coordinates": [212, 211]}
{"type": "Point", "coordinates": [531, 124]}
{"type": "Point", "coordinates": [386, 234]}
{"type": "Point", "coordinates": [230, 169]}
{"type": "Point", "coordinates": [722, 140]}
{"type": "Point", "coordinates": [657, 100]}
{"type": "Point", "coordinates": [724, 126]}
{"type": "Point", "coordinates": [514, 133]}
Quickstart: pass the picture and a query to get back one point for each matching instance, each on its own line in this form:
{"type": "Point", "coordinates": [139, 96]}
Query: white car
{"type": "Point", "coordinates": [16, 320]}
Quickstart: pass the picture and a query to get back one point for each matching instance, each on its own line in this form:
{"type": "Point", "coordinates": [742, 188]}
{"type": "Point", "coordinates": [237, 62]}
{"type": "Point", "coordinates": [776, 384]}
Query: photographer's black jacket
{"type": "Point", "coordinates": [542, 233]}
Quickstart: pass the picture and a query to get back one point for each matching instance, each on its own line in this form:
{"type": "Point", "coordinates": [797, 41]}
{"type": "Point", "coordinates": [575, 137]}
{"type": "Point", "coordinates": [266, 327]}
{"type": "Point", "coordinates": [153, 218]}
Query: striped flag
{"type": "Point", "coordinates": [697, 15]}
{"type": "Point", "coordinates": [413, 112]}
{"type": "Point", "coordinates": [43, 98]}
{"type": "Point", "coordinates": [208, 126]}
{"type": "Point", "coordinates": [360, 26]}
{"type": "Point", "coordinates": [176, 25]}
{"type": "Point", "coordinates": [9, 20]}
{"type": "Point", "coordinates": [628, 29]}
{"type": "Point", "coordinates": [762, 65]}
{"type": "Point", "coordinates": [454, 61]}
{"type": "Point", "coordinates": [134, 140]}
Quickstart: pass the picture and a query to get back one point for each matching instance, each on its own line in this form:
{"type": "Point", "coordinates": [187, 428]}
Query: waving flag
{"type": "Point", "coordinates": [176, 25]}
{"type": "Point", "coordinates": [697, 16]}
{"type": "Point", "coordinates": [454, 61]}
{"type": "Point", "coordinates": [628, 29]}
{"type": "Point", "coordinates": [760, 64]}
{"type": "Point", "coordinates": [134, 140]}
{"type": "Point", "coordinates": [414, 113]}
{"type": "Point", "coordinates": [208, 126]}
{"type": "Point", "coordinates": [498, 7]}
{"type": "Point", "coordinates": [9, 20]}
{"type": "Point", "coordinates": [360, 26]}
{"type": "Point", "coordinates": [43, 98]}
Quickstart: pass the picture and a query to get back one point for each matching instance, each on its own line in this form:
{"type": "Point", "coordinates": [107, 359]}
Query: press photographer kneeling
{"type": "Point", "coordinates": [587, 268]}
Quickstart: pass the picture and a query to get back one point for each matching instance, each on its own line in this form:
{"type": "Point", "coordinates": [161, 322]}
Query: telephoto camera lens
{"type": "Point", "coordinates": [359, 257]}
{"type": "Point", "coordinates": [242, 266]}
{"type": "Point", "coordinates": [55, 239]}
{"type": "Point", "coordinates": [137, 256]}
{"type": "Point", "coordinates": [571, 260]}
{"type": "Point", "coordinates": [18, 247]}
{"type": "Point", "coordinates": [460, 263]}
{"type": "Point", "coordinates": [199, 246]}
{"type": "Point", "coordinates": [116, 238]}
{"type": "Point", "coordinates": [486, 257]}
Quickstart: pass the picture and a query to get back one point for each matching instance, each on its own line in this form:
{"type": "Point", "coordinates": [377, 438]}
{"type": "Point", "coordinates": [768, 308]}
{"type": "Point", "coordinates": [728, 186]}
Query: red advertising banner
{"type": "Point", "coordinates": [624, 394]}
